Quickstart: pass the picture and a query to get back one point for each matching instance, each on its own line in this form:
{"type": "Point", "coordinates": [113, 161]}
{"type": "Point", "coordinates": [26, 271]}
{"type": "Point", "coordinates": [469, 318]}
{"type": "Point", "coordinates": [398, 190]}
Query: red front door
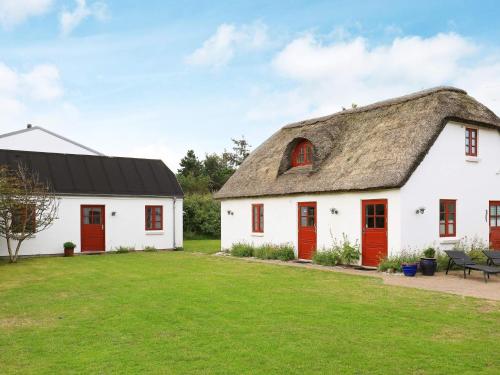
{"type": "Point", "coordinates": [307, 229]}
{"type": "Point", "coordinates": [92, 224]}
{"type": "Point", "coordinates": [495, 225]}
{"type": "Point", "coordinates": [374, 229]}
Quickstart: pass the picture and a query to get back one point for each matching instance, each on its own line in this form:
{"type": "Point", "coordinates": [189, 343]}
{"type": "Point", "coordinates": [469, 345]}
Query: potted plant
{"type": "Point", "coordinates": [428, 262]}
{"type": "Point", "coordinates": [409, 268]}
{"type": "Point", "coordinates": [69, 249]}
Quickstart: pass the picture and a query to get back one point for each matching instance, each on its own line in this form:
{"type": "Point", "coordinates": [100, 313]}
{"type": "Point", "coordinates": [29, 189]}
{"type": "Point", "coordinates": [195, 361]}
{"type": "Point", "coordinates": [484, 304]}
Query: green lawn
{"type": "Point", "coordinates": [180, 312]}
{"type": "Point", "coordinates": [202, 246]}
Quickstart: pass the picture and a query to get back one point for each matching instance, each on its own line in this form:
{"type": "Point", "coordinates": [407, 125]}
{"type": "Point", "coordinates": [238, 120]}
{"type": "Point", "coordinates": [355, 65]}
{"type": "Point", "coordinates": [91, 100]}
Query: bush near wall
{"type": "Point", "coordinates": [342, 252]}
{"type": "Point", "coordinates": [201, 216]}
{"type": "Point", "coordinates": [282, 252]}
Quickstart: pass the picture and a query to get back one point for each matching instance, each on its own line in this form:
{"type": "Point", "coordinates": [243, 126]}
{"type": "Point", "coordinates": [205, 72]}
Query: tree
{"type": "Point", "coordinates": [190, 165]}
{"type": "Point", "coordinates": [241, 149]}
{"type": "Point", "coordinates": [218, 171]}
{"type": "Point", "coordinates": [27, 206]}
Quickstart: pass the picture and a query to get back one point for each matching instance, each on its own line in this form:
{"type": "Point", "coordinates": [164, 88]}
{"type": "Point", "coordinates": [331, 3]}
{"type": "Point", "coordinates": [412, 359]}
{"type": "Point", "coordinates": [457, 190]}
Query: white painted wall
{"type": "Point", "coordinates": [280, 218]}
{"type": "Point", "coordinates": [40, 141]}
{"type": "Point", "coordinates": [446, 173]}
{"type": "Point", "coordinates": [126, 228]}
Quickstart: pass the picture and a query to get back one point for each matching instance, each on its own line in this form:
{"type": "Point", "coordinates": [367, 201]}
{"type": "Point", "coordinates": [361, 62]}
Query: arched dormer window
{"type": "Point", "coordinates": [302, 154]}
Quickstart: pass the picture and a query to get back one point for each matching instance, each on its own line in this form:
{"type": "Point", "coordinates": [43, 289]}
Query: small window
{"type": "Point", "coordinates": [471, 142]}
{"type": "Point", "coordinates": [258, 218]}
{"type": "Point", "coordinates": [495, 215]}
{"type": "Point", "coordinates": [302, 154]}
{"type": "Point", "coordinates": [24, 220]}
{"type": "Point", "coordinates": [375, 216]}
{"type": "Point", "coordinates": [447, 218]}
{"type": "Point", "coordinates": [154, 217]}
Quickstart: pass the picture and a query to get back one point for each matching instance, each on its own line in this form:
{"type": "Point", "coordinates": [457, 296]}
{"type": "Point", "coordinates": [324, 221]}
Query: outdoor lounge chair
{"type": "Point", "coordinates": [460, 259]}
{"type": "Point", "coordinates": [493, 257]}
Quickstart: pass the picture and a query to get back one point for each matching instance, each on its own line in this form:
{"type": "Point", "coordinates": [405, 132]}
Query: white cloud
{"type": "Point", "coordinates": [21, 93]}
{"type": "Point", "coordinates": [327, 76]}
{"type": "Point", "coordinates": [14, 12]}
{"type": "Point", "coordinates": [69, 20]}
{"type": "Point", "coordinates": [221, 47]}
{"type": "Point", "coordinates": [43, 82]}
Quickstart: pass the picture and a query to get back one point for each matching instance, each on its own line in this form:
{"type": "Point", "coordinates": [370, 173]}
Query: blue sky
{"type": "Point", "coordinates": [154, 78]}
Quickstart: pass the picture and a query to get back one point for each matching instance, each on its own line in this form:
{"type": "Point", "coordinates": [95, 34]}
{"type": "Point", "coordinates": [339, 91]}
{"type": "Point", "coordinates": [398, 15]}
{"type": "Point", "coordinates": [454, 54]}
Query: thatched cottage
{"type": "Point", "coordinates": [405, 173]}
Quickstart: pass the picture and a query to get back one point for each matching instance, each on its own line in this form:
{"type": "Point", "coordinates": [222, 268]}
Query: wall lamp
{"type": "Point", "coordinates": [334, 211]}
{"type": "Point", "coordinates": [420, 210]}
{"type": "Point", "coordinates": [229, 212]}
{"type": "Point", "coordinates": [113, 213]}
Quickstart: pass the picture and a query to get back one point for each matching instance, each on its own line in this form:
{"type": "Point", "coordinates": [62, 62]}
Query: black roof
{"type": "Point", "coordinates": [97, 175]}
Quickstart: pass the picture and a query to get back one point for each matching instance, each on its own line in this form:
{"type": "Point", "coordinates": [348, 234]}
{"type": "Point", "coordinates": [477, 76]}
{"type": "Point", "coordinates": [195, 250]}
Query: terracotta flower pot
{"type": "Point", "coordinates": [69, 251]}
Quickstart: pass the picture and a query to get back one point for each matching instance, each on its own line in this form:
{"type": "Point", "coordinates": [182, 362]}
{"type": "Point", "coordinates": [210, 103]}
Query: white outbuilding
{"type": "Point", "coordinates": [403, 174]}
{"type": "Point", "coordinates": [104, 202]}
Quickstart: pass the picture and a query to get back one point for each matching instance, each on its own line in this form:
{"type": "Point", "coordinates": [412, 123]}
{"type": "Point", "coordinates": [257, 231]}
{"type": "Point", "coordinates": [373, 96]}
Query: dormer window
{"type": "Point", "coordinates": [302, 154]}
{"type": "Point", "coordinates": [470, 142]}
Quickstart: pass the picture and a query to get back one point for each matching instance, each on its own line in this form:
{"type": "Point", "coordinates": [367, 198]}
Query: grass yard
{"type": "Point", "coordinates": [202, 246]}
{"type": "Point", "coordinates": [179, 312]}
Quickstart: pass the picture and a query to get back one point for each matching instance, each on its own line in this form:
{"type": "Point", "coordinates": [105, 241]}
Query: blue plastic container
{"type": "Point", "coordinates": [410, 270]}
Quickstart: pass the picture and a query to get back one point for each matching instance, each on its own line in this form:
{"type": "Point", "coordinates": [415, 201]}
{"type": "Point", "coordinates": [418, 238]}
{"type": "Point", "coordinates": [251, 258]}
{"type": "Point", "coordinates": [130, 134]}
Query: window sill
{"type": "Point", "coordinates": [472, 159]}
{"type": "Point", "coordinates": [257, 234]}
{"type": "Point", "coordinates": [448, 240]}
{"type": "Point", "coordinates": [154, 232]}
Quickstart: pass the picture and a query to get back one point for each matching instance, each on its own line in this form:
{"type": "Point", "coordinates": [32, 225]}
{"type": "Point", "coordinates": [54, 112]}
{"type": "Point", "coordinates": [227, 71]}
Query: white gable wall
{"type": "Point", "coordinates": [281, 218]}
{"type": "Point", "coordinates": [126, 228]}
{"type": "Point", "coordinates": [41, 141]}
{"type": "Point", "coordinates": [446, 173]}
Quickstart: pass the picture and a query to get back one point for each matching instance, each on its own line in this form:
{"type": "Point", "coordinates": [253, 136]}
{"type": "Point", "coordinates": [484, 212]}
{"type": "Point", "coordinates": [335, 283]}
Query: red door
{"type": "Point", "coordinates": [92, 224]}
{"type": "Point", "coordinates": [495, 225]}
{"type": "Point", "coordinates": [307, 229]}
{"type": "Point", "coordinates": [374, 229]}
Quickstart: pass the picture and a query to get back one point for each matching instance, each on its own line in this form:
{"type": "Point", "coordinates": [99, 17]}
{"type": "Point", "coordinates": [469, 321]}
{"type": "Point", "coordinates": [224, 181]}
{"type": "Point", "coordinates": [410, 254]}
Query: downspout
{"type": "Point", "coordinates": [173, 226]}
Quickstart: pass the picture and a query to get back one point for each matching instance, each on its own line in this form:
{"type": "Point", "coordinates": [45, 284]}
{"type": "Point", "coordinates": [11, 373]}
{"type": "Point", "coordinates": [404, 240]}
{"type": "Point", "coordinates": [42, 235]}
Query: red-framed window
{"type": "Point", "coordinates": [447, 218]}
{"type": "Point", "coordinates": [302, 153]}
{"type": "Point", "coordinates": [471, 141]}
{"type": "Point", "coordinates": [154, 217]}
{"type": "Point", "coordinates": [258, 218]}
{"type": "Point", "coordinates": [494, 214]}
{"type": "Point", "coordinates": [24, 220]}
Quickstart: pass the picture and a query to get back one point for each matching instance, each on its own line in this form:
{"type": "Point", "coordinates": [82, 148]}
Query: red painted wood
{"type": "Point", "coordinates": [448, 217]}
{"type": "Point", "coordinates": [302, 153]}
{"type": "Point", "coordinates": [494, 225]}
{"type": "Point", "coordinates": [151, 221]}
{"type": "Point", "coordinates": [92, 228]}
{"type": "Point", "coordinates": [374, 231]}
{"type": "Point", "coordinates": [258, 218]}
{"type": "Point", "coordinates": [471, 141]}
{"type": "Point", "coordinates": [307, 224]}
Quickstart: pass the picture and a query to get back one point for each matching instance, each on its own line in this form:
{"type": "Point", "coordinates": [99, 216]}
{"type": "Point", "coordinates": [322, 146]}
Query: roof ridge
{"type": "Point", "coordinates": [377, 105]}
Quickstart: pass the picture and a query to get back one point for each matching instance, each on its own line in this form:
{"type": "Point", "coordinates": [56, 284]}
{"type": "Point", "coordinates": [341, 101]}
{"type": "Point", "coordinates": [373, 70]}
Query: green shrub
{"type": "Point", "coordinates": [201, 216]}
{"type": "Point", "coordinates": [331, 257]}
{"type": "Point", "coordinates": [150, 248]}
{"type": "Point", "coordinates": [282, 252]}
{"type": "Point", "coordinates": [124, 249]}
{"type": "Point", "coordinates": [69, 245]}
{"type": "Point", "coordinates": [241, 249]}
{"type": "Point", "coordinates": [430, 252]}
{"type": "Point", "coordinates": [396, 262]}
{"type": "Point", "coordinates": [342, 252]}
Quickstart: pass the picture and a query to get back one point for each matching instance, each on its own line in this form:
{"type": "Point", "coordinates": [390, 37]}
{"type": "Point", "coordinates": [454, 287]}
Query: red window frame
{"type": "Point", "coordinates": [471, 141]}
{"type": "Point", "coordinates": [258, 218]}
{"type": "Point", "coordinates": [302, 153]}
{"type": "Point", "coordinates": [445, 216]}
{"type": "Point", "coordinates": [150, 212]}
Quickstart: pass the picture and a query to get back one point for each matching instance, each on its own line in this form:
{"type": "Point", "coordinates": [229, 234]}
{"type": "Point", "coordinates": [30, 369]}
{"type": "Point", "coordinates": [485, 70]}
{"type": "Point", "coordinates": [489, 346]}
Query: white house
{"type": "Point", "coordinates": [104, 202]}
{"type": "Point", "coordinates": [403, 174]}
{"type": "Point", "coordinates": [36, 138]}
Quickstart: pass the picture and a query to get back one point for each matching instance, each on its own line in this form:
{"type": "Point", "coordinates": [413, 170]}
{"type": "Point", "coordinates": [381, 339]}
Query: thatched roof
{"type": "Point", "coordinates": [372, 147]}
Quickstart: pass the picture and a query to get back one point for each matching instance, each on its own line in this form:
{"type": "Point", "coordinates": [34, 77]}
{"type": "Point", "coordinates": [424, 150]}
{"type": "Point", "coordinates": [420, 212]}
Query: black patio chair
{"type": "Point", "coordinates": [460, 259]}
{"type": "Point", "coordinates": [493, 257]}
